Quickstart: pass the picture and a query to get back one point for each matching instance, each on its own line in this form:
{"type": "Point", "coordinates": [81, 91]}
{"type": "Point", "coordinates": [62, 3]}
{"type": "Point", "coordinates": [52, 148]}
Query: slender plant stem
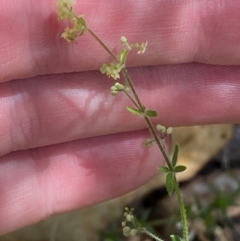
{"type": "Point", "coordinates": [130, 97]}
{"type": "Point", "coordinates": [148, 121]}
{"type": "Point", "coordinates": [151, 235]}
{"type": "Point", "coordinates": [182, 210]}
{"type": "Point", "coordinates": [102, 44]}
{"type": "Point", "coordinates": [160, 145]}
{"type": "Point", "coordinates": [130, 83]}
{"type": "Point", "coordinates": [139, 104]}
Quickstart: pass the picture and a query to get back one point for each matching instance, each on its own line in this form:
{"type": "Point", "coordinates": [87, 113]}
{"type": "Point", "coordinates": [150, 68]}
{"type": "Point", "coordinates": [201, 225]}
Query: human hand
{"type": "Point", "coordinates": [65, 142]}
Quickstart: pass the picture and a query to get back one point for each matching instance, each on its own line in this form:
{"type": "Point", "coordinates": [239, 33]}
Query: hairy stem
{"type": "Point", "coordinates": [182, 210]}
{"type": "Point", "coordinates": [152, 235]}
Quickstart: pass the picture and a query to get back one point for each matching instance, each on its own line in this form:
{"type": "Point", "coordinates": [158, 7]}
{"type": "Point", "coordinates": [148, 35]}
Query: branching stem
{"type": "Point", "coordinates": [138, 103]}
{"type": "Point", "coordinates": [65, 11]}
{"type": "Point", "coordinates": [141, 107]}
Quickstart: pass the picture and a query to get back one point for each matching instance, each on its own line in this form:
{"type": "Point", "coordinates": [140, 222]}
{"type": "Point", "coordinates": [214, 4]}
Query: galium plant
{"type": "Point", "coordinates": [114, 70]}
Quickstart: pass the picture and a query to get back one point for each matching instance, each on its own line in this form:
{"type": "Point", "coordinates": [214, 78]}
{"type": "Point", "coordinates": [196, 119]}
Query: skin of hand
{"type": "Point", "coordinates": [65, 142]}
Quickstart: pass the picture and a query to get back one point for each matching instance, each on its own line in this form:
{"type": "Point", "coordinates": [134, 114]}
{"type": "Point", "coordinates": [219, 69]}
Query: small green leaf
{"type": "Point", "coordinates": [175, 238]}
{"type": "Point", "coordinates": [170, 183]}
{"type": "Point", "coordinates": [164, 169]}
{"type": "Point", "coordinates": [175, 155]}
{"type": "Point", "coordinates": [134, 111]}
{"type": "Point", "coordinates": [180, 168]}
{"type": "Point", "coordinates": [150, 113]}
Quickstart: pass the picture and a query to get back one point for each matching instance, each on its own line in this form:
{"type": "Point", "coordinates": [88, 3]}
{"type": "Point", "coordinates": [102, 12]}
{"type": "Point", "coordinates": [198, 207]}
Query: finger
{"type": "Point", "coordinates": [41, 182]}
{"type": "Point", "coordinates": [56, 109]}
{"type": "Point", "coordinates": [189, 31]}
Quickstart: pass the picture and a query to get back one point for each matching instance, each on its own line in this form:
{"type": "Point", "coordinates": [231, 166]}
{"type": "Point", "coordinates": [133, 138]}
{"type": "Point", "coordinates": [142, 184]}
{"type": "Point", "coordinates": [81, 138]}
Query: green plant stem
{"type": "Point", "coordinates": [157, 139]}
{"type": "Point", "coordinates": [182, 210]}
{"type": "Point", "coordinates": [152, 235]}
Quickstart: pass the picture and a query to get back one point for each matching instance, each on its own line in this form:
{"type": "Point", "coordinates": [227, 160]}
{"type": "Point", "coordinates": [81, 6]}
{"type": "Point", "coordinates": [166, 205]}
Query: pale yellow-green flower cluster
{"type": "Point", "coordinates": [117, 87]}
{"type": "Point", "coordinates": [66, 12]}
{"type": "Point", "coordinates": [131, 226]}
{"type": "Point", "coordinates": [129, 221]}
{"type": "Point", "coordinates": [113, 69]}
{"type": "Point", "coordinates": [140, 47]}
{"type": "Point", "coordinates": [164, 130]}
{"type": "Point", "coordinates": [79, 27]}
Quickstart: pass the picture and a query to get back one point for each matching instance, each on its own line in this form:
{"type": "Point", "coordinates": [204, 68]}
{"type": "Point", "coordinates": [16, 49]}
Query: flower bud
{"type": "Point", "coordinates": [114, 93]}
{"type": "Point", "coordinates": [129, 217]}
{"type": "Point", "coordinates": [114, 88]}
{"type": "Point", "coordinates": [119, 86]}
{"type": "Point", "coordinates": [169, 130]}
{"type": "Point", "coordinates": [123, 39]}
{"type": "Point", "coordinates": [133, 232]}
{"type": "Point", "coordinates": [161, 128]}
{"type": "Point", "coordinates": [126, 231]}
